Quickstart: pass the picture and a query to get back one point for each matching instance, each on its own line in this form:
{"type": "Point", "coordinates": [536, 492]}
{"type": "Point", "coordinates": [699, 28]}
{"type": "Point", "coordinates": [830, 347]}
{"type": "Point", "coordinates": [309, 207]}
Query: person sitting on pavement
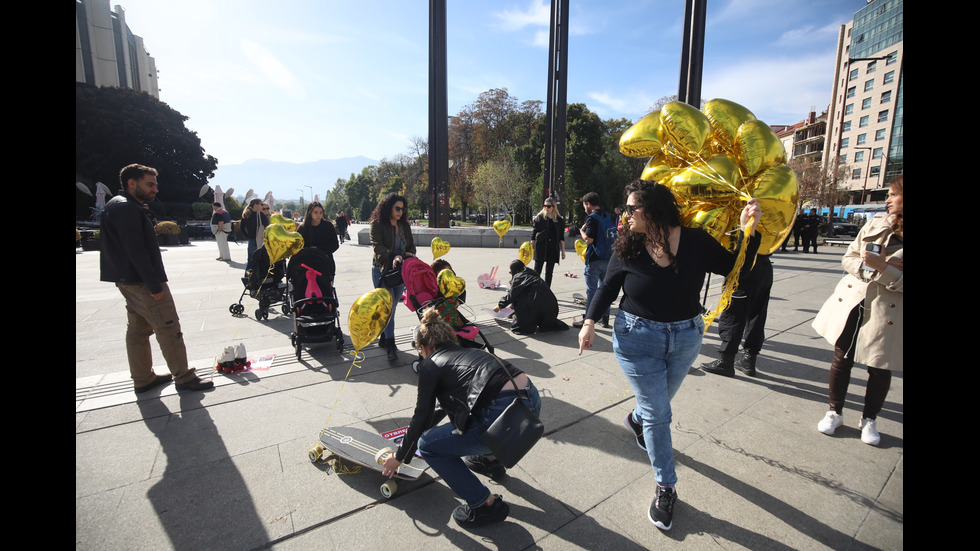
{"type": "Point", "coordinates": [472, 388]}
{"type": "Point", "coordinates": [535, 305]}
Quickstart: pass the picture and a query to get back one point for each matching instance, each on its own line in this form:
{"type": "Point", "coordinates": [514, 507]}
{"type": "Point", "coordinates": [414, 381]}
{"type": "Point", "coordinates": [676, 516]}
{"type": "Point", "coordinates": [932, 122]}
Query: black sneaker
{"type": "Point", "coordinates": [157, 381]}
{"type": "Point", "coordinates": [637, 429]}
{"type": "Point", "coordinates": [195, 384]}
{"type": "Point", "coordinates": [481, 464]}
{"type": "Point", "coordinates": [746, 364]}
{"type": "Point", "coordinates": [392, 351]}
{"type": "Point", "coordinates": [468, 517]}
{"type": "Point", "coordinates": [661, 511]}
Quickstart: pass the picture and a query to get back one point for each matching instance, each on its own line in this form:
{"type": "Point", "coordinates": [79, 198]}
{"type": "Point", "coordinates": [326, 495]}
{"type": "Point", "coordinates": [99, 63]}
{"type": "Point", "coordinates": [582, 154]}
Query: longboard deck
{"type": "Point", "coordinates": [579, 298]}
{"type": "Point", "coordinates": [361, 446]}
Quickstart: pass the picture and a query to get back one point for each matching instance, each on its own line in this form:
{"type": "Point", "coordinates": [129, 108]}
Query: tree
{"type": "Point", "coordinates": [115, 127]}
{"type": "Point", "coordinates": [819, 185]}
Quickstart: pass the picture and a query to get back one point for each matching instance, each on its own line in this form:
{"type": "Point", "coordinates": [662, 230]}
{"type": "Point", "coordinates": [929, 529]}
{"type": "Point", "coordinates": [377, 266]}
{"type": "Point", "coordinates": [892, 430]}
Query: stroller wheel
{"type": "Point", "coordinates": [340, 342]}
{"type": "Point", "coordinates": [285, 309]}
{"type": "Point", "coordinates": [261, 314]}
{"type": "Point", "coordinates": [292, 339]}
{"type": "Point", "coordinates": [236, 309]}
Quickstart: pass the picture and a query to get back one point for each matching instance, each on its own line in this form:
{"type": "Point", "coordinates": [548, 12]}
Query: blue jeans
{"type": "Point", "coordinates": [443, 447]}
{"type": "Point", "coordinates": [595, 272]}
{"type": "Point", "coordinates": [251, 252]}
{"type": "Point", "coordinates": [655, 357]}
{"type": "Point", "coordinates": [396, 296]}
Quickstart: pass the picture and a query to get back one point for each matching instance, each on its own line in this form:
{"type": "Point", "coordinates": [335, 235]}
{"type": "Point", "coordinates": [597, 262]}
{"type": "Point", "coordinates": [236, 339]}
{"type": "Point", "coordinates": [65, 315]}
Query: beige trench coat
{"type": "Point", "coordinates": [880, 342]}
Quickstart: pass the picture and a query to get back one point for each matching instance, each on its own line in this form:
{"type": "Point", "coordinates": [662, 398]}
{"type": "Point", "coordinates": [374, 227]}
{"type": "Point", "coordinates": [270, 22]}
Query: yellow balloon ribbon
{"type": "Point", "coordinates": [368, 317]}
{"type": "Point", "coordinates": [439, 247]}
{"type": "Point", "coordinates": [526, 253]}
{"type": "Point", "coordinates": [731, 283]}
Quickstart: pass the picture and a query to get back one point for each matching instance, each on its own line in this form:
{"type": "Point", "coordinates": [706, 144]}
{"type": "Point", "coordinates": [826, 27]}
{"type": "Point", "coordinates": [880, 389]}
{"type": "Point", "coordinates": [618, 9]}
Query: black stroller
{"type": "Point", "coordinates": [313, 300]}
{"type": "Point", "coordinates": [264, 285]}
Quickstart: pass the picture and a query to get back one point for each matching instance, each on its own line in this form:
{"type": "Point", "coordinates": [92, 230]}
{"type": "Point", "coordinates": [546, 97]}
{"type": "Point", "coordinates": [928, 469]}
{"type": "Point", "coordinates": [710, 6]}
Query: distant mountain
{"type": "Point", "coordinates": [287, 181]}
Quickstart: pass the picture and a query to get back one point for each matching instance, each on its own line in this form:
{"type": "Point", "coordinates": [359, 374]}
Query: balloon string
{"type": "Point", "coordinates": [358, 357]}
{"type": "Point", "coordinates": [714, 174]}
{"type": "Point", "coordinates": [731, 283]}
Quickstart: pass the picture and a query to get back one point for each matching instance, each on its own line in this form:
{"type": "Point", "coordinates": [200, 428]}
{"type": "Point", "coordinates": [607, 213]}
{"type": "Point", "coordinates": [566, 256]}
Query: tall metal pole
{"type": "Point", "coordinates": [692, 52]}
{"type": "Point", "coordinates": [556, 111]}
{"type": "Point", "coordinates": [438, 118]}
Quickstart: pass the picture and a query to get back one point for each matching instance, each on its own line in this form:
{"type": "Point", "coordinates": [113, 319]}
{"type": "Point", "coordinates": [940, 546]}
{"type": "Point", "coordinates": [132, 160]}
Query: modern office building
{"type": "Point", "coordinates": [865, 129]}
{"type": "Point", "coordinates": [107, 53]}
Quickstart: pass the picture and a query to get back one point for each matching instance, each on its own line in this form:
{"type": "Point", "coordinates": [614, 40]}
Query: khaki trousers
{"type": "Point", "coordinates": [145, 317]}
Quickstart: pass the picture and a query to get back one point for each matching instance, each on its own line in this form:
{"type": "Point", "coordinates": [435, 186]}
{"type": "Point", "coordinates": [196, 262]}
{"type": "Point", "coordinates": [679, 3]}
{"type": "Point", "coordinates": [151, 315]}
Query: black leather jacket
{"type": "Point", "coordinates": [130, 252]}
{"type": "Point", "coordinates": [455, 377]}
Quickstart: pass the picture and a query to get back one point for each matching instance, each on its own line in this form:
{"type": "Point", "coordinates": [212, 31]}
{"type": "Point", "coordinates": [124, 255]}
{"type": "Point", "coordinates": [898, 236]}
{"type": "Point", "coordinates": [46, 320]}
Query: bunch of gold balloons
{"type": "Point", "coordinates": [714, 161]}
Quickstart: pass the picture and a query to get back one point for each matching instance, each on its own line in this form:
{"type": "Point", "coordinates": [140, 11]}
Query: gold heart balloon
{"type": "Point", "coordinates": [449, 284]}
{"type": "Point", "coordinates": [281, 243]}
{"type": "Point", "coordinates": [757, 148]}
{"type": "Point", "coordinates": [777, 192]}
{"type": "Point", "coordinates": [501, 227]}
{"type": "Point", "coordinates": [642, 140]}
{"type": "Point", "coordinates": [687, 129]}
{"type": "Point", "coordinates": [717, 181]}
{"type": "Point", "coordinates": [580, 248]}
{"type": "Point", "coordinates": [526, 253]}
{"type": "Point", "coordinates": [714, 219]}
{"type": "Point", "coordinates": [726, 117]}
{"type": "Point", "coordinates": [439, 247]}
{"type": "Point", "coordinates": [368, 317]}
{"type": "Point", "coordinates": [287, 223]}
{"type": "Point", "coordinates": [656, 171]}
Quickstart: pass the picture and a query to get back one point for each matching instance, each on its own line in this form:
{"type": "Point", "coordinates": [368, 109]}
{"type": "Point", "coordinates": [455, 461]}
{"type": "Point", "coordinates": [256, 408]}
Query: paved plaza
{"type": "Point", "coordinates": [228, 469]}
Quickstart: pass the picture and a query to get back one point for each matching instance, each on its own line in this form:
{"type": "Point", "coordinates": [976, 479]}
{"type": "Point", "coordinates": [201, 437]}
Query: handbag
{"type": "Point", "coordinates": [391, 278]}
{"type": "Point", "coordinates": [515, 431]}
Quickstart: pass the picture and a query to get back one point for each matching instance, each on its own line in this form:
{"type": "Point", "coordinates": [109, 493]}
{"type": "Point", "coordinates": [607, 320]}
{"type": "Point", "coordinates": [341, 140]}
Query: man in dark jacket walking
{"type": "Point", "coordinates": [131, 259]}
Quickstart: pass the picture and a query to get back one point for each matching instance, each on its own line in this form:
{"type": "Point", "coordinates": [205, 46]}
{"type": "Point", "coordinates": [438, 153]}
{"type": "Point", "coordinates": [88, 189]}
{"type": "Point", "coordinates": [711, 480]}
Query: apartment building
{"type": "Point", "coordinates": [107, 53]}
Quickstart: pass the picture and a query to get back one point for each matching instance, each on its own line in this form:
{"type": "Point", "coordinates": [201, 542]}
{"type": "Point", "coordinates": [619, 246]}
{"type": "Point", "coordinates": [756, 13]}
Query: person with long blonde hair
{"type": "Point", "coordinates": [863, 318]}
{"type": "Point", "coordinates": [548, 236]}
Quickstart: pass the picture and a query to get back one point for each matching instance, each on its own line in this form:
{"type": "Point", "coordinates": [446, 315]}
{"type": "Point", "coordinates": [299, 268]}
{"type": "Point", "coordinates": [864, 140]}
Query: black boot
{"type": "Point", "coordinates": [746, 364]}
{"type": "Point", "coordinates": [725, 366]}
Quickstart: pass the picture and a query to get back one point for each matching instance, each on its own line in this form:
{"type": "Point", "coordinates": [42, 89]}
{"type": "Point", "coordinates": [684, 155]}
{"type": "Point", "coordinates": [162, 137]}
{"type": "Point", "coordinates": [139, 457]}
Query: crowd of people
{"type": "Point", "coordinates": [647, 259]}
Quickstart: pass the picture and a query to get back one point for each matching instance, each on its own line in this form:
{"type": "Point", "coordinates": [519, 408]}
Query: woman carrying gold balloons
{"type": "Point", "coordinates": [391, 238]}
{"type": "Point", "coordinates": [863, 318]}
{"type": "Point", "coordinates": [660, 266]}
{"type": "Point", "coordinates": [548, 235]}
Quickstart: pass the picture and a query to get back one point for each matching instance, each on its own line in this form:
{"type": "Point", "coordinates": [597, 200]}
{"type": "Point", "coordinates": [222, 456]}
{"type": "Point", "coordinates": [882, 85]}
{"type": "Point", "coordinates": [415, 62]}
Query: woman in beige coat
{"type": "Point", "coordinates": [863, 318]}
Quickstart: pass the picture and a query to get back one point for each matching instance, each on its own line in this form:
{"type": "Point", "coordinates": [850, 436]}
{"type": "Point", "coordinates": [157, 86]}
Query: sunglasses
{"type": "Point", "coordinates": [548, 206]}
{"type": "Point", "coordinates": [630, 209]}
{"type": "Point", "coordinates": [396, 208]}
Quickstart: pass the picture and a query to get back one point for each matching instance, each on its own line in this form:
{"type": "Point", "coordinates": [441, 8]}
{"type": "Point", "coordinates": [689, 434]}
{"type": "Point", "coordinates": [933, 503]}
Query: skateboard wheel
{"type": "Point", "coordinates": [382, 455]}
{"type": "Point", "coordinates": [316, 453]}
{"type": "Point", "coordinates": [389, 488]}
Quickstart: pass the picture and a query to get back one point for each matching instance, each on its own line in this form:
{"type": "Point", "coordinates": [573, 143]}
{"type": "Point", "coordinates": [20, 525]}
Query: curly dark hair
{"type": "Point", "coordinates": [661, 214]}
{"type": "Point", "coordinates": [382, 212]}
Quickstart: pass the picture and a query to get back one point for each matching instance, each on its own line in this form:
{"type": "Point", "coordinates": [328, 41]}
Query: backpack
{"type": "Point", "coordinates": [606, 236]}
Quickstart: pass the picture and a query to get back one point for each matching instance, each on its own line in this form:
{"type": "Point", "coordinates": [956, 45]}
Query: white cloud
{"type": "Point", "coordinates": [536, 15]}
{"type": "Point", "coordinates": [273, 69]}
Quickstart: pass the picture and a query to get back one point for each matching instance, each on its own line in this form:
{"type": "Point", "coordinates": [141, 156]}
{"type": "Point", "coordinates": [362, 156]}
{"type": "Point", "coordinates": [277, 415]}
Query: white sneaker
{"type": "Point", "coordinates": [830, 422]}
{"type": "Point", "coordinates": [869, 431]}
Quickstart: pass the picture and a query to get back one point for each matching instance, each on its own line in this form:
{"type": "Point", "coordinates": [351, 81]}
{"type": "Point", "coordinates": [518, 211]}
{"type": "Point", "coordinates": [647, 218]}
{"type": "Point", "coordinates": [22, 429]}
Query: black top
{"type": "Point", "coordinates": [130, 253]}
{"type": "Point", "coordinates": [322, 236]}
{"type": "Point", "coordinates": [663, 294]}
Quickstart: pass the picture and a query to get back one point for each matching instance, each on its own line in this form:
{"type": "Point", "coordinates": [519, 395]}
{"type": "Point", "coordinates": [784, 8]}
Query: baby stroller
{"type": "Point", "coordinates": [263, 285]}
{"type": "Point", "coordinates": [422, 291]}
{"type": "Point", "coordinates": [313, 300]}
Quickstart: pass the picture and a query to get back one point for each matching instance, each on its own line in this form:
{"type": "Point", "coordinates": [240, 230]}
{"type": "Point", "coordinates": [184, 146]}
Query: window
{"type": "Point", "coordinates": [874, 172]}
{"type": "Point", "coordinates": [854, 74]}
{"type": "Point", "coordinates": [886, 96]}
{"type": "Point", "coordinates": [871, 67]}
{"type": "Point", "coordinates": [869, 85]}
{"type": "Point", "coordinates": [843, 158]}
{"type": "Point", "coordinates": [858, 156]}
{"type": "Point", "coordinates": [856, 174]}
{"type": "Point", "coordinates": [883, 116]}
{"type": "Point", "coordinates": [849, 109]}
{"type": "Point", "coordinates": [877, 153]}
{"type": "Point", "coordinates": [889, 77]}
{"type": "Point", "coordinates": [863, 122]}
{"type": "Point", "coordinates": [862, 139]}
{"type": "Point", "coordinates": [844, 143]}
{"type": "Point", "coordinates": [892, 58]}
{"type": "Point", "coordinates": [847, 126]}
{"type": "Point", "coordinates": [880, 135]}
{"type": "Point", "coordinates": [851, 91]}
{"type": "Point", "coordinates": [866, 104]}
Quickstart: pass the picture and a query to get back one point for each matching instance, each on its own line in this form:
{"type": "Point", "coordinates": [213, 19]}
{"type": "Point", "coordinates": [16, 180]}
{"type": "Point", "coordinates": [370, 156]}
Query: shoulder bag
{"type": "Point", "coordinates": [516, 431]}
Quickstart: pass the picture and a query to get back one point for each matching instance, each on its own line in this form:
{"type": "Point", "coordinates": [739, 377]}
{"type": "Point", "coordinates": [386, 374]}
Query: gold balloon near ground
{"type": "Point", "coordinates": [439, 247]}
{"type": "Point", "coordinates": [368, 317]}
{"type": "Point", "coordinates": [526, 253]}
{"type": "Point", "coordinates": [450, 285]}
{"type": "Point", "coordinates": [281, 243]}
{"type": "Point", "coordinates": [287, 223]}
{"type": "Point", "coordinates": [501, 227]}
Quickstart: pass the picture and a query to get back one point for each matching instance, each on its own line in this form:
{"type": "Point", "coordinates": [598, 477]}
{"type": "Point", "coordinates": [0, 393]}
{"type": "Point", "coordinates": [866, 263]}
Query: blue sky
{"type": "Point", "coordinates": [302, 80]}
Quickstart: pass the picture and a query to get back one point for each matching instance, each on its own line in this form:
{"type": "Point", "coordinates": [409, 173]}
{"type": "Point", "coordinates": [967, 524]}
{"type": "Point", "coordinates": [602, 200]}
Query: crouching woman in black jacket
{"type": "Point", "coordinates": [472, 388]}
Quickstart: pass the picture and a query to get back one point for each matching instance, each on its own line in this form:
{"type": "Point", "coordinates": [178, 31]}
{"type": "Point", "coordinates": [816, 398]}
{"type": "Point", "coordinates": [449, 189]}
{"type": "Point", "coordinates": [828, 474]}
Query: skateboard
{"type": "Point", "coordinates": [578, 298]}
{"type": "Point", "coordinates": [367, 449]}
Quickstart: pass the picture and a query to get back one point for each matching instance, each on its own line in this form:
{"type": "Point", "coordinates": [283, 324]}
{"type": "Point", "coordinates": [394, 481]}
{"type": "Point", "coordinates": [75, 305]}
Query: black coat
{"type": "Point", "coordinates": [548, 236]}
{"type": "Point", "coordinates": [535, 305]}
